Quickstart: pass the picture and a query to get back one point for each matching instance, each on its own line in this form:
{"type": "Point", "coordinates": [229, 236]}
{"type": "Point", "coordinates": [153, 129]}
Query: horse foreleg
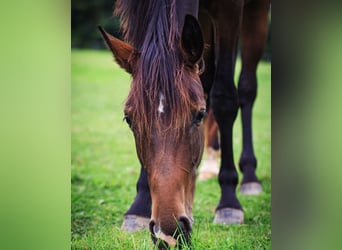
{"type": "Point", "coordinates": [225, 104]}
{"type": "Point", "coordinates": [138, 215]}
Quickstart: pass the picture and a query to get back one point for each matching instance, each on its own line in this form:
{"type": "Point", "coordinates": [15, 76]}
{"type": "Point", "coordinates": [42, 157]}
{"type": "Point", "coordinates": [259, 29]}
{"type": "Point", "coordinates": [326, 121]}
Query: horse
{"type": "Point", "coordinates": [181, 56]}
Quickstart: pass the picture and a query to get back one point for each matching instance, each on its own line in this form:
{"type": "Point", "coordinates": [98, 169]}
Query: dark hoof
{"type": "Point", "coordinates": [134, 223]}
{"type": "Point", "coordinates": [252, 188]}
{"type": "Point", "coordinates": [229, 216]}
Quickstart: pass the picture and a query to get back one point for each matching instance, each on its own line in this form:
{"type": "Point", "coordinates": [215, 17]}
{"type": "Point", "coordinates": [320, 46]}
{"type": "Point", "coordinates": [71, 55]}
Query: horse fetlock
{"type": "Point", "coordinates": [249, 174]}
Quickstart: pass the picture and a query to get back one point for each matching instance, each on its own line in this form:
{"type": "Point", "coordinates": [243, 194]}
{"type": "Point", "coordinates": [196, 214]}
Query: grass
{"type": "Point", "coordinates": [105, 168]}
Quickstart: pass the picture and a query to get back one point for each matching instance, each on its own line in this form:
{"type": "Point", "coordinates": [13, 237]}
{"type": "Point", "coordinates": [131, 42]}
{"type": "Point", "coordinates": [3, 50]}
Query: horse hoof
{"type": "Point", "coordinates": [229, 216]}
{"type": "Point", "coordinates": [252, 188]}
{"type": "Point", "coordinates": [134, 223]}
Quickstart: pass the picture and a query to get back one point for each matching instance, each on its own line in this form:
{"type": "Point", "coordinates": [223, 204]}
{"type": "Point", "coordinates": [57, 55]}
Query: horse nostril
{"type": "Point", "coordinates": [185, 224]}
{"type": "Point", "coordinates": [152, 230]}
{"type": "Point", "coordinates": [151, 226]}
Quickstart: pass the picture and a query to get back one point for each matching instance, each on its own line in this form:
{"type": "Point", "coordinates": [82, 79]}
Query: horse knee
{"type": "Point", "coordinates": [247, 88]}
{"type": "Point", "coordinates": [225, 106]}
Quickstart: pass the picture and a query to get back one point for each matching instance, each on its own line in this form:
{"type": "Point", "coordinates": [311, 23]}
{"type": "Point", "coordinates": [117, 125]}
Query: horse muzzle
{"type": "Point", "coordinates": [174, 234]}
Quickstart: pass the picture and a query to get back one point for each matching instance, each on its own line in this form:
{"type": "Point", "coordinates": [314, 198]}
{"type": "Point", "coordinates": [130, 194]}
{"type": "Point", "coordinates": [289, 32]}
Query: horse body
{"type": "Point", "coordinates": [166, 103]}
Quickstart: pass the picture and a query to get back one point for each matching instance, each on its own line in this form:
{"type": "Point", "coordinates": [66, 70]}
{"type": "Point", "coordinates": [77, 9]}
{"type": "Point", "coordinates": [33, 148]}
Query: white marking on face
{"type": "Point", "coordinates": [167, 238]}
{"type": "Point", "coordinates": [161, 105]}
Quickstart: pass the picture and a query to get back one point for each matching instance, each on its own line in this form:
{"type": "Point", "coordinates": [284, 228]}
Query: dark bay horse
{"type": "Point", "coordinates": [164, 51]}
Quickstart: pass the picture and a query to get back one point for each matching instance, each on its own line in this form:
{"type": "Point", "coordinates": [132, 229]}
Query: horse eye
{"type": "Point", "coordinates": [128, 120]}
{"type": "Point", "coordinates": [200, 116]}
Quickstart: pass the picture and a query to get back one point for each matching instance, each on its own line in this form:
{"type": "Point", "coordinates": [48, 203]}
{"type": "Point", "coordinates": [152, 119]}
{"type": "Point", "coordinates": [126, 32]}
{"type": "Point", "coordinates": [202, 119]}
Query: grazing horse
{"type": "Point", "coordinates": [164, 51]}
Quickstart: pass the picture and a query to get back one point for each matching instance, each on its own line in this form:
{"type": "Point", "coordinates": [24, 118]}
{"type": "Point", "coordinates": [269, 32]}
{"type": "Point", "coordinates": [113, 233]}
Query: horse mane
{"type": "Point", "coordinates": [140, 18]}
{"type": "Point", "coordinates": [153, 28]}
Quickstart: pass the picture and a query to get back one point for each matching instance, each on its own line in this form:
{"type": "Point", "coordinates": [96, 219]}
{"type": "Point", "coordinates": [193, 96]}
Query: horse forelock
{"type": "Point", "coordinates": [153, 28]}
{"type": "Point", "coordinates": [138, 17]}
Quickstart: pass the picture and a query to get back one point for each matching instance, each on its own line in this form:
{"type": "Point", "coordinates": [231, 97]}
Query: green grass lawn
{"type": "Point", "coordinates": [104, 167]}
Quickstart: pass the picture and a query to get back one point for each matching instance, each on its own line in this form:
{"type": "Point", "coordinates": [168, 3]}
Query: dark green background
{"type": "Point", "coordinates": [87, 15]}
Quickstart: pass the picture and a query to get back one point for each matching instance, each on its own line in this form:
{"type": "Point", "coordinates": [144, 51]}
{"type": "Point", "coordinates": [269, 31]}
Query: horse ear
{"type": "Point", "coordinates": [192, 40]}
{"type": "Point", "coordinates": [120, 49]}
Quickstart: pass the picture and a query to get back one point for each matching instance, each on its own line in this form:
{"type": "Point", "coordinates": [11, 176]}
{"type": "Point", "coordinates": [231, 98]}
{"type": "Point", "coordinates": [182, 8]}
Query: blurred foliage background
{"type": "Point", "coordinates": [87, 15]}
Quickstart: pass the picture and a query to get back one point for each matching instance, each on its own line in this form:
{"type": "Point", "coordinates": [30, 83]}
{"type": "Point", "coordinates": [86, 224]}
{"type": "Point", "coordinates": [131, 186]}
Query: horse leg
{"type": "Point", "coordinates": [253, 40]}
{"type": "Point", "coordinates": [209, 166]}
{"type": "Point", "coordinates": [138, 215]}
{"type": "Point", "coordinates": [224, 102]}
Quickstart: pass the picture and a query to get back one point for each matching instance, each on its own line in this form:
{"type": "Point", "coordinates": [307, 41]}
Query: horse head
{"type": "Point", "coordinates": [164, 110]}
